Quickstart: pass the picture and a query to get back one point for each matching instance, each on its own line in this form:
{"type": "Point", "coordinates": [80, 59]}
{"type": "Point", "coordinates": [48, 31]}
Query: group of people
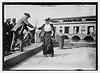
{"type": "Point", "coordinates": [14, 33]}
{"type": "Point", "coordinates": [7, 34]}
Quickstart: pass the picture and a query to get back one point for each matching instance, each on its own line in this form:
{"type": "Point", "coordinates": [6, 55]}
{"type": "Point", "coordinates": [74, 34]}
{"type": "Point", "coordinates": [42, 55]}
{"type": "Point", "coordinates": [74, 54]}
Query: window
{"type": "Point", "coordinates": [76, 30]}
{"type": "Point", "coordinates": [73, 20]}
{"type": "Point", "coordinates": [54, 21]}
{"type": "Point", "coordinates": [65, 20]}
{"type": "Point", "coordinates": [93, 20]}
{"type": "Point", "coordinates": [88, 20]}
{"type": "Point", "coordinates": [66, 29]}
{"type": "Point", "coordinates": [83, 30]}
{"type": "Point", "coordinates": [69, 21]}
{"type": "Point", "coordinates": [78, 20]}
{"type": "Point", "coordinates": [90, 30]}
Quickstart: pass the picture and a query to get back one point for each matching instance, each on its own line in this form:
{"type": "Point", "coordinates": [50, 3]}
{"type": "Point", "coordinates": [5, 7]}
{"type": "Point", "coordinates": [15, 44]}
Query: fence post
{"type": "Point", "coordinates": [61, 41]}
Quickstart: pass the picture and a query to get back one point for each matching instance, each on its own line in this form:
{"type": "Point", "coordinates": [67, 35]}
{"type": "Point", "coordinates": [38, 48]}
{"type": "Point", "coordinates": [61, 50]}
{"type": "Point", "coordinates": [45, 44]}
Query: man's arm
{"type": "Point", "coordinates": [27, 23]}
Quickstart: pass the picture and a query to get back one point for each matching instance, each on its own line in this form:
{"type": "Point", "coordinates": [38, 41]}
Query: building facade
{"type": "Point", "coordinates": [75, 28]}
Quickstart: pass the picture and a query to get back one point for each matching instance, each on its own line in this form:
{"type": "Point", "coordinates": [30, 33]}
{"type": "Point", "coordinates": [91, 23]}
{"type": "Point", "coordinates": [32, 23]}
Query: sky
{"type": "Point", "coordinates": [41, 12]}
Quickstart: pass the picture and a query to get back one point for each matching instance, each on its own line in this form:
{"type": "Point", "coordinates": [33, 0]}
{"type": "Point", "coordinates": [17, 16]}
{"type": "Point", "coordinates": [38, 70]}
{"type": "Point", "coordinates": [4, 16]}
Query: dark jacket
{"type": "Point", "coordinates": [12, 25]}
{"type": "Point", "coordinates": [6, 28]}
{"type": "Point", "coordinates": [6, 32]}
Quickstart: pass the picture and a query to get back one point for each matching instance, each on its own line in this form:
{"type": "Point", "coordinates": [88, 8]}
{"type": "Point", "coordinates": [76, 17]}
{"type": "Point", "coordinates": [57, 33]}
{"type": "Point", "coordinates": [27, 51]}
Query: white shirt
{"type": "Point", "coordinates": [47, 27]}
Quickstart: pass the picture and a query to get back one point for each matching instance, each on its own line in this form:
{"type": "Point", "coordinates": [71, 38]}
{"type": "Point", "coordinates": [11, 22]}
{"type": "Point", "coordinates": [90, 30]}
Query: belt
{"type": "Point", "coordinates": [47, 31]}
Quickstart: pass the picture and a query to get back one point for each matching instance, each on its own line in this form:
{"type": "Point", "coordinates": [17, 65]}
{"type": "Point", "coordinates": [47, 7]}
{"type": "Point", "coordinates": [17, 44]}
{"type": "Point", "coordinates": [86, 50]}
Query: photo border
{"type": "Point", "coordinates": [52, 3]}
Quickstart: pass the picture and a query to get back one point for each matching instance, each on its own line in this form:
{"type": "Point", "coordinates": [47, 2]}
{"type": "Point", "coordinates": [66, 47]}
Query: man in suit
{"type": "Point", "coordinates": [18, 31]}
{"type": "Point", "coordinates": [13, 22]}
{"type": "Point", "coordinates": [7, 35]}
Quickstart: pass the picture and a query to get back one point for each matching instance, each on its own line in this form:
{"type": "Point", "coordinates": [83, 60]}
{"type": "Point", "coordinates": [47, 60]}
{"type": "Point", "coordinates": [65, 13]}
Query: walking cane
{"type": "Point", "coordinates": [35, 28]}
{"type": "Point", "coordinates": [36, 23]}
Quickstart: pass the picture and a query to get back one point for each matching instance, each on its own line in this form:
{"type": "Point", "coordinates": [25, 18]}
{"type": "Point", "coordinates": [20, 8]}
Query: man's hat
{"type": "Point", "coordinates": [8, 19]}
{"type": "Point", "coordinates": [47, 19]}
{"type": "Point", "coordinates": [13, 19]}
{"type": "Point", "coordinates": [27, 14]}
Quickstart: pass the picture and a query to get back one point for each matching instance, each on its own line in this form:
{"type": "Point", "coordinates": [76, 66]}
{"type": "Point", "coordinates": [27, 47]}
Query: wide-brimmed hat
{"type": "Point", "coordinates": [27, 14]}
{"type": "Point", "coordinates": [47, 19]}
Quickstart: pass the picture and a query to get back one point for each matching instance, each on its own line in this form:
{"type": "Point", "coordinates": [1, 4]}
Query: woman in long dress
{"type": "Point", "coordinates": [47, 33]}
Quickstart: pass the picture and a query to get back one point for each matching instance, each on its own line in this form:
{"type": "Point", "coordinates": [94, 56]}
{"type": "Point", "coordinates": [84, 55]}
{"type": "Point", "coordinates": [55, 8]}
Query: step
{"type": "Point", "coordinates": [18, 57]}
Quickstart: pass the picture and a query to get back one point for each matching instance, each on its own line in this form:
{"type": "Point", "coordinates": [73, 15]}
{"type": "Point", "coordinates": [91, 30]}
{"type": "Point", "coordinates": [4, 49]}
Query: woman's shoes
{"type": "Point", "coordinates": [52, 55]}
{"type": "Point", "coordinates": [46, 55]}
{"type": "Point", "coordinates": [49, 55]}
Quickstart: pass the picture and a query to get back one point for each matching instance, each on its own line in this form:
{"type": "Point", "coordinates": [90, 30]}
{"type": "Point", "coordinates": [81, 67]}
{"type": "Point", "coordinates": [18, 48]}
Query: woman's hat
{"type": "Point", "coordinates": [27, 14]}
{"type": "Point", "coordinates": [47, 19]}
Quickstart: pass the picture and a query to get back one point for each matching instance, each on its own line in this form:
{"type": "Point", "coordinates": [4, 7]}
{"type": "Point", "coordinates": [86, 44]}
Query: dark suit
{"type": "Point", "coordinates": [12, 25]}
{"type": "Point", "coordinates": [18, 32]}
{"type": "Point", "coordinates": [6, 36]}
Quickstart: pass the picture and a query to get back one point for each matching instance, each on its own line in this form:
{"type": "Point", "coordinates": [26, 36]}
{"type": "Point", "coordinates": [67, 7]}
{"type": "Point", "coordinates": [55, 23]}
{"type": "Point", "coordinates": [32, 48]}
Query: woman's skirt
{"type": "Point", "coordinates": [47, 44]}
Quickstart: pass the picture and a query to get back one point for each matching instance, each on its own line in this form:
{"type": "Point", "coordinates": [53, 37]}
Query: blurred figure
{"type": "Point", "coordinates": [48, 33]}
{"type": "Point", "coordinates": [7, 35]}
{"type": "Point", "coordinates": [27, 36]}
{"type": "Point", "coordinates": [12, 25]}
{"type": "Point", "coordinates": [18, 31]}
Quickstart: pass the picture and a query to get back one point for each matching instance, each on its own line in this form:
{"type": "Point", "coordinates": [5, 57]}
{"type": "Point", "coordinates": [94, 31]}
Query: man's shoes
{"type": "Point", "coordinates": [12, 50]}
{"type": "Point", "coordinates": [47, 55]}
{"type": "Point", "coordinates": [21, 50]}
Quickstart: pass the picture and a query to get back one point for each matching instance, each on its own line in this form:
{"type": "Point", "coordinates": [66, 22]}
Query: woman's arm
{"type": "Point", "coordinates": [53, 30]}
{"type": "Point", "coordinates": [39, 28]}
